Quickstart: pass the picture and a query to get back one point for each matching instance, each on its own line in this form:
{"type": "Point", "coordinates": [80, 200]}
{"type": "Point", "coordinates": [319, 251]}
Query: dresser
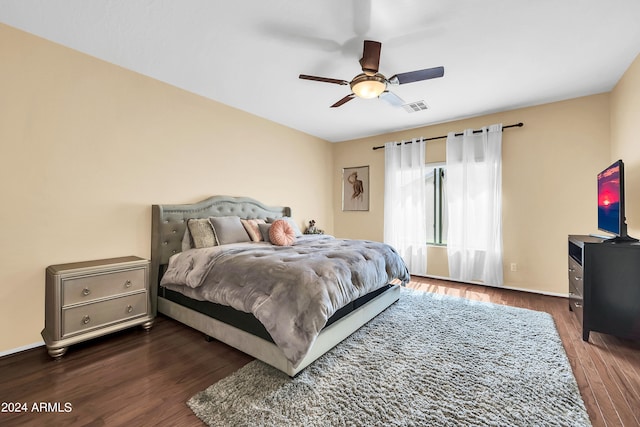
{"type": "Point", "coordinates": [604, 286]}
{"type": "Point", "coordinates": [85, 300]}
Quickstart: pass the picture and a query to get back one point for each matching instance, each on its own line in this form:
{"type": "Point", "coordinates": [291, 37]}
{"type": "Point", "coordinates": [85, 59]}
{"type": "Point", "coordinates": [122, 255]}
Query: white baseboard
{"type": "Point", "coordinates": [553, 294]}
{"type": "Point", "coordinates": [23, 348]}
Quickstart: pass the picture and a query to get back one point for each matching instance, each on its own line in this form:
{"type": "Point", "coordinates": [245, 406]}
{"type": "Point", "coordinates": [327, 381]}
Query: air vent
{"type": "Point", "coordinates": [415, 106]}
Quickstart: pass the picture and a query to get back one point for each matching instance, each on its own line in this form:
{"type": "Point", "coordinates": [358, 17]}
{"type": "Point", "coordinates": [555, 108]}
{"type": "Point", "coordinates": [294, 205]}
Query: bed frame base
{"type": "Point", "coordinates": [267, 351]}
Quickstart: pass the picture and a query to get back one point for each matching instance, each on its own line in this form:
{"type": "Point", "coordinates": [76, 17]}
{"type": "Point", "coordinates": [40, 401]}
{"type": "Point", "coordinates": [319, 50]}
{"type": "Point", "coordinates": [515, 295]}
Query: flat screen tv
{"type": "Point", "coordinates": [611, 204]}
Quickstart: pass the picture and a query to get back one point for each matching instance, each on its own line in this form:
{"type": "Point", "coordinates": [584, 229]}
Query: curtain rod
{"type": "Point", "coordinates": [517, 125]}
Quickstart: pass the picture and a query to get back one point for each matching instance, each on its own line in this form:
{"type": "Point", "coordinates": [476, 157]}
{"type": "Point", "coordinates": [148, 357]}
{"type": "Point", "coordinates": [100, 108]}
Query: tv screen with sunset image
{"type": "Point", "coordinates": [609, 199]}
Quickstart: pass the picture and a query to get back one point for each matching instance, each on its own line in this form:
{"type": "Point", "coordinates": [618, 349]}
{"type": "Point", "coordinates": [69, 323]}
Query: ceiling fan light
{"type": "Point", "coordinates": [368, 87]}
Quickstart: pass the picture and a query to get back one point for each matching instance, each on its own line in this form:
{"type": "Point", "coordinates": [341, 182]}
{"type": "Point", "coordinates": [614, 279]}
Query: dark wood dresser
{"type": "Point", "coordinates": [604, 286]}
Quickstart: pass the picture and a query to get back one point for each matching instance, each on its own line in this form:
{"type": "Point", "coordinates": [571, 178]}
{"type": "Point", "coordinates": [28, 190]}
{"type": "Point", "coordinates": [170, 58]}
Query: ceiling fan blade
{"type": "Point", "coordinates": [392, 98]}
{"type": "Point", "coordinates": [416, 76]}
{"type": "Point", "coordinates": [344, 100]}
{"type": "Point", "coordinates": [370, 57]}
{"type": "Point", "coordinates": [323, 79]}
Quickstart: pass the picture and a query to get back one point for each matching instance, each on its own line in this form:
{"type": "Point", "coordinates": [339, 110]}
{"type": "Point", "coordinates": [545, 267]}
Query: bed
{"type": "Point", "coordinates": [181, 276]}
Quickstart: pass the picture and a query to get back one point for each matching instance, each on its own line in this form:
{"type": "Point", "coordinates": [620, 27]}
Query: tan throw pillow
{"type": "Point", "coordinates": [201, 232]}
{"type": "Point", "coordinates": [253, 229]}
{"type": "Point", "coordinates": [281, 233]}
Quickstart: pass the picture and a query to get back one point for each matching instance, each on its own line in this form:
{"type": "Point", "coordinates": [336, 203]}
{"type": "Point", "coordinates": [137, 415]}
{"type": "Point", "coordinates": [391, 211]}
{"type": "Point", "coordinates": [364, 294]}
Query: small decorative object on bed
{"type": "Point", "coordinates": [312, 229]}
{"type": "Point", "coordinates": [285, 303]}
{"type": "Point", "coordinates": [355, 188]}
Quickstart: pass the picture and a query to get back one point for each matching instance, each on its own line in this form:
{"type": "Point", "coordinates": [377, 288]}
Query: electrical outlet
{"type": "Point", "coordinates": [514, 266]}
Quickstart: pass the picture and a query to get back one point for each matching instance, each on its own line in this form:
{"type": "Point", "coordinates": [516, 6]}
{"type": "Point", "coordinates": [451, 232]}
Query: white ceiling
{"type": "Point", "coordinates": [498, 54]}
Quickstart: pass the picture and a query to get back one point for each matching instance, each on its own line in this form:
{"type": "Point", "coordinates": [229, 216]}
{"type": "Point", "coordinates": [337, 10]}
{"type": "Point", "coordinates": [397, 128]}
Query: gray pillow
{"type": "Point", "coordinates": [187, 241]}
{"type": "Point", "coordinates": [228, 229]}
{"type": "Point", "coordinates": [264, 230]}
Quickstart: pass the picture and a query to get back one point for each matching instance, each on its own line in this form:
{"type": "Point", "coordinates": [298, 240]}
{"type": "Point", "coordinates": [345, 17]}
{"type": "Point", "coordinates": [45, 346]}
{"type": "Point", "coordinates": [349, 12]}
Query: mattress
{"type": "Point", "coordinates": [247, 321]}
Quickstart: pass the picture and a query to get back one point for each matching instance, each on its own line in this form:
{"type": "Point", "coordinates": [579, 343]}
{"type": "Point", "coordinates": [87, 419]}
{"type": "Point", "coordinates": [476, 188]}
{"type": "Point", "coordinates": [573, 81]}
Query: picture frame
{"type": "Point", "coordinates": [355, 188]}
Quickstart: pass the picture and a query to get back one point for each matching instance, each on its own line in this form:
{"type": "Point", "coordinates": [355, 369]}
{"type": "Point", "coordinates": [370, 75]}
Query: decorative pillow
{"type": "Point", "coordinates": [187, 241]}
{"type": "Point", "coordinates": [228, 229]}
{"type": "Point", "coordinates": [251, 225]}
{"type": "Point", "coordinates": [281, 233]}
{"type": "Point", "coordinates": [201, 232]}
{"type": "Point", "coordinates": [264, 231]}
{"type": "Point", "coordinates": [291, 222]}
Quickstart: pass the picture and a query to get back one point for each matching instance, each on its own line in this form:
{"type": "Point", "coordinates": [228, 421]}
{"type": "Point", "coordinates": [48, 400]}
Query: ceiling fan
{"type": "Point", "coordinates": [371, 84]}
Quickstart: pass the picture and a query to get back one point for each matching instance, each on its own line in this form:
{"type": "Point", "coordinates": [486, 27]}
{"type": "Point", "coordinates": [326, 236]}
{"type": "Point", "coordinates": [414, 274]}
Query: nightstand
{"type": "Point", "coordinates": [85, 300]}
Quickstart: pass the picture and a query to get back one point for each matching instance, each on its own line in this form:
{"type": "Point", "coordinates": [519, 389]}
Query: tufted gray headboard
{"type": "Point", "coordinates": [168, 223]}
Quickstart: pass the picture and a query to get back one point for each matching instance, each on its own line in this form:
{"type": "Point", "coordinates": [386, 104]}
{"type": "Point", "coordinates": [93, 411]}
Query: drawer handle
{"type": "Point", "coordinates": [578, 305]}
{"type": "Point", "coordinates": [571, 270]}
{"type": "Point", "coordinates": [127, 284]}
{"type": "Point", "coordinates": [86, 320]}
{"type": "Point", "coordinates": [86, 291]}
{"type": "Point", "coordinates": [129, 308]}
{"type": "Point", "coordinates": [578, 277]}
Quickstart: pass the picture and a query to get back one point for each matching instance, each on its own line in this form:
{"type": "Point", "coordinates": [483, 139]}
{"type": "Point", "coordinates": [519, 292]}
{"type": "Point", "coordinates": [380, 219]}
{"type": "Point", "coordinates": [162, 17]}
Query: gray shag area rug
{"type": "Point", "coordinates": [428, 360]}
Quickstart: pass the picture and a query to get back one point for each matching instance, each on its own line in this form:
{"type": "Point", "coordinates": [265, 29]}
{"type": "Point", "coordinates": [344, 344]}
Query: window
{"type": "Point", "coordinates": [436, 195]}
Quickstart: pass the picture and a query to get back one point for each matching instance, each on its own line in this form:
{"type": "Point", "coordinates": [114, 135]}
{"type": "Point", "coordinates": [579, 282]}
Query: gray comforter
{"type": "Point", "coordinates": [292, 290]}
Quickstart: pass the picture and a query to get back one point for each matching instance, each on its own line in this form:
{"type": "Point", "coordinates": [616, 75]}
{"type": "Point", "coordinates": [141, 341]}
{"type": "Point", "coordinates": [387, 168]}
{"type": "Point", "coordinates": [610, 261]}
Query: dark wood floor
{"type": "Point", "coordinates": [136, 378]}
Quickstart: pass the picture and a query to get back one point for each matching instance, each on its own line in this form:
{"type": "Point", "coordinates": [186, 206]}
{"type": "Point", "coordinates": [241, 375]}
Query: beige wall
{"type": "Point", "coordinates": [88, 147]}
{"type": "Point", "coordinates": [549, 169]}
{"type": "Point", "coordinates": [625, 140]}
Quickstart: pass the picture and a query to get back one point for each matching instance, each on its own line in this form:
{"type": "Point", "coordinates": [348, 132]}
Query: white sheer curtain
{"type": "Point", "coordinates": [405, 216]}
{"type": "Point", "coordinates": [474, 191]}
